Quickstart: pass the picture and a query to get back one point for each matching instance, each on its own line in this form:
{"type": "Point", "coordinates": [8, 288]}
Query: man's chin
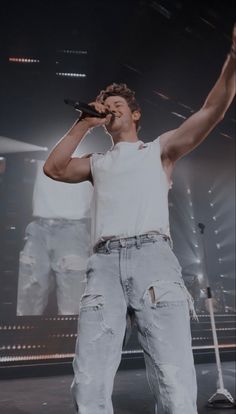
{"type": "Point", "coordinates": [113, 126]}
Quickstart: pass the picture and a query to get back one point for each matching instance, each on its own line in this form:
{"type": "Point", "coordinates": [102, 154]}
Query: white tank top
{"type": "Point", "coordinates": [130, 191]}
{"type": "Point", "coordinates": [55, 199]}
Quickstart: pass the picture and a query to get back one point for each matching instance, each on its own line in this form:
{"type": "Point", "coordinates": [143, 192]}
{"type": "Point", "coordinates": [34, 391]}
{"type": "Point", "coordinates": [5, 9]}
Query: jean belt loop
{"type": "Point", "coordinates": [122, 242]}
{"type": "Point", "coordinates": [152, 237]}
{"type": "Point", "coordinates": [138, 242]}
{"type": "Point", "coordinates": [107, 247]}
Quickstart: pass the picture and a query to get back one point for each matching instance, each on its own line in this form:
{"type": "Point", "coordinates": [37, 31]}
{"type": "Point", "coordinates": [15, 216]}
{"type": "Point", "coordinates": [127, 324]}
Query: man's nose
{"type": "Point", "coordinates": [110, 108]}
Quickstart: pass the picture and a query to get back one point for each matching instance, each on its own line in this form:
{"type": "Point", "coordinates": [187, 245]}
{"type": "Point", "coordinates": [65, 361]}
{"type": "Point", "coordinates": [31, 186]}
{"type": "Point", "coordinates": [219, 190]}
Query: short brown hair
{"type": "Point", "coordinates": [120, 89]}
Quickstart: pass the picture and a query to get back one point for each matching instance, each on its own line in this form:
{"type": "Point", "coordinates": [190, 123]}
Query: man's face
{"type": "Point", "coordinates": [124, 119]}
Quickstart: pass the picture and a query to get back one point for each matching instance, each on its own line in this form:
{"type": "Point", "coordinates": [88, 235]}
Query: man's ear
{"type": "Point", "coordinates": [136, 115]}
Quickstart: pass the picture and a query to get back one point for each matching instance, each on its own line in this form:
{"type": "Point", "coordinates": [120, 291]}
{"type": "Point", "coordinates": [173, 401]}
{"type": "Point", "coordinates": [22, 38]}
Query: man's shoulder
{"type": "Point", "coordinates": [87, 155]}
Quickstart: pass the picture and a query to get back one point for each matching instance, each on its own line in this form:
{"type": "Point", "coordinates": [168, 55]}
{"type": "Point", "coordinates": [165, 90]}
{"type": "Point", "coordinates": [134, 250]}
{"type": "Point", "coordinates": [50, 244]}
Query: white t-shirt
{"type": "Point", "coordinates": [130, 191]}
{"type": "Point", "coordinates": [55, 199]}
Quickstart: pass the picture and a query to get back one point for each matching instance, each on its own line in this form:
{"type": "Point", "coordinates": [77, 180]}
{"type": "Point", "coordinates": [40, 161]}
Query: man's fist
{"type": "Point", "coordinates": [95, 121]}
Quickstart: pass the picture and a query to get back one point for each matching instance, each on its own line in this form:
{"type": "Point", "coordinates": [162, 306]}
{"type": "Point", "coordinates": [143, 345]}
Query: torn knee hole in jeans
{"type": "Point", "coordinates": [26, 259]}
{"type": "Point", "coordinates": [92, 310]}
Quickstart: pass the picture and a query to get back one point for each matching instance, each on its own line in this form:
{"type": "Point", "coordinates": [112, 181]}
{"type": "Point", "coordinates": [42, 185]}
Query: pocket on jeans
{"type": "Point", "coordinates": [170, 257]}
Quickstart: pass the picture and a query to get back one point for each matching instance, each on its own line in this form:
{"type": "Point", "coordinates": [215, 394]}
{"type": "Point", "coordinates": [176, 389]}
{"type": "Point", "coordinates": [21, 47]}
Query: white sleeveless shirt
{"type": "Point", "coordinates": [130, 191]}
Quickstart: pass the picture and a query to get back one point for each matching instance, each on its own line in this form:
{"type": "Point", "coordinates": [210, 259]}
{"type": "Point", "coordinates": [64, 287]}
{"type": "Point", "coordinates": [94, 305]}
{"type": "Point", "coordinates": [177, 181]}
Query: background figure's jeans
{"type": "Point", "coordinates": [58, 245]}
{"type": "Point", "coordinates": [143, 273]}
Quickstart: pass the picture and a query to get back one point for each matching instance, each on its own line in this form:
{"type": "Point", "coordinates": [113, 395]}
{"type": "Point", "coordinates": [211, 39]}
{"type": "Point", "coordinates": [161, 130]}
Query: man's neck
{"type": "Point", "coordinates": [125, 137]}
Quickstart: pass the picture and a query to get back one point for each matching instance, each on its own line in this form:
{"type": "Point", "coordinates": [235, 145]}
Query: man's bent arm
{"type": "Point", "coordinates": [60, 166]}
{"type": "Point", "coordinates": [175, 144]}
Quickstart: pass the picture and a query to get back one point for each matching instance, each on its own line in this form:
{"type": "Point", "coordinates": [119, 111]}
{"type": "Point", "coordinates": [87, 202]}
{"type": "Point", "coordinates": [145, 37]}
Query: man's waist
{"type": "Point", "coordinates": [105, 244]}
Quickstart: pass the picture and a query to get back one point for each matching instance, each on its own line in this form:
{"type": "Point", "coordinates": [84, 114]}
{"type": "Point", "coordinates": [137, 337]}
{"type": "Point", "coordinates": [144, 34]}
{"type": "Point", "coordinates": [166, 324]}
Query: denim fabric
{"type": "Point", "coordinates": [144, 274]}
{"type": "Point", "coordinates": [58, 245]}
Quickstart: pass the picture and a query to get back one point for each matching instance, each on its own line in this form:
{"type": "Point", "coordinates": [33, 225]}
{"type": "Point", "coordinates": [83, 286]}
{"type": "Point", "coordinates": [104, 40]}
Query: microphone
{"type": "Point", "coordinates": [86, 109]}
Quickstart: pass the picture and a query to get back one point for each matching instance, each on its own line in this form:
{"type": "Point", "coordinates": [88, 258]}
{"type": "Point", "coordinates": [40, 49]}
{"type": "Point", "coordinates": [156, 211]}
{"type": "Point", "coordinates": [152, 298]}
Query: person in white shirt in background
{"type": "Point", "coordinates": [133, 265]}
{"type": "Point", "coordinates": [57, 246]}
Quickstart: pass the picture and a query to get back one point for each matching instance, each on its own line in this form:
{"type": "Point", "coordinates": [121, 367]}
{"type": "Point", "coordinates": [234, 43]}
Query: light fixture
{"type": "Point", "coordinates": [71, 74]}
{"type": "Point", "coordinates": [23, 60]}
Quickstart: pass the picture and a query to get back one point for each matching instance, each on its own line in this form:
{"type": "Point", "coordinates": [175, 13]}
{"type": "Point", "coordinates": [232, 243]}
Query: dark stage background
{"type": "Point", "coordinates": [170, 53]}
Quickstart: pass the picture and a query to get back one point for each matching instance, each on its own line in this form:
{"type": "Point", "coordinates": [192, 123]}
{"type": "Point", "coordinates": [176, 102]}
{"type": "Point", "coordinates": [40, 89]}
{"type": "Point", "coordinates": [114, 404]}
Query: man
{"type": "Point", "coordinates": [133, 265]}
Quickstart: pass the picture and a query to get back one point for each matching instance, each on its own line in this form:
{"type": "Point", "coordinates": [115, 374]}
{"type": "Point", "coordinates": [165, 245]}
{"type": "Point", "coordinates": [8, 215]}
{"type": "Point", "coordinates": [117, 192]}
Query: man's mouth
{"type": "Point", "coordinates": [115, 116]}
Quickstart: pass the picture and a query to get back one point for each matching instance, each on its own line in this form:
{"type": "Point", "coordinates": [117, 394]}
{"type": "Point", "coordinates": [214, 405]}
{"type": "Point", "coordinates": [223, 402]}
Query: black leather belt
{"type": "Point", "coordinates": [106, 245]}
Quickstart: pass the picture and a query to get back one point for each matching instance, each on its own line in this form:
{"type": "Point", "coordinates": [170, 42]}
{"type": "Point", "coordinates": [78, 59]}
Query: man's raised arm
{"type": "Point", "coordinates": [175, 144]}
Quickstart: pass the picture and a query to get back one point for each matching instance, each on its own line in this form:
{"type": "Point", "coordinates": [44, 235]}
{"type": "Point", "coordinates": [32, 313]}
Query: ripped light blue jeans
{"type": "Point", "coordinates": [142, 273]}
{"type": "Point", "coordinates": [61, 246]}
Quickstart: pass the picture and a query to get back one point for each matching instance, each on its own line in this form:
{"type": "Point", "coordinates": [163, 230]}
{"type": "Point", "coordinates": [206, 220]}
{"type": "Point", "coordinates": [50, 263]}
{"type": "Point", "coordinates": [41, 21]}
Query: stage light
{"type": "Point", "coordinates": [23, 60]}
{"type": "Point", "coordinates": [192, 217]}
{"type": "Point", "coordinates": [196, 245]}
{"type": "Point", "coordinates": [220, 259]}
{"type": "Point", "coordinates": [71, 75]}
{"type": "Point", "coordinates": [198, 261]}
{"type": "Point", "coordinates": [74, 52]}
{"type": "Point", "coordinates": [226, 135]}
{"type": "Point", "coordinates": [188, 191]}
{"type": "Point", "coordinates": [208, 23]}
{"type": "Point", "coordinates": [214, 218]}
{"type": "Point", "coordinates": [216, 231]}
{"type": "Point", "coordinates": [186, 106]}
{"type": "Point", "coordinates": [211, 204]}
{"type": "Point", "coordinates": [165, 97]}
{"type": "Point", "coordinates": [209, 191]}
{"type": "Point", "coordinates": [218, 245]}
{"type": "Point", "coordinates": [178, 115]}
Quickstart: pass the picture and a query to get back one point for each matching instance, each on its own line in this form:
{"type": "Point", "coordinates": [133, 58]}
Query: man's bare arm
{"type": "Point", "coordinates": [176, 143]}
{"type": "Point", "coordinates": [77, 171]}
{"type": "Point", "coordinates": [60, 165]}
